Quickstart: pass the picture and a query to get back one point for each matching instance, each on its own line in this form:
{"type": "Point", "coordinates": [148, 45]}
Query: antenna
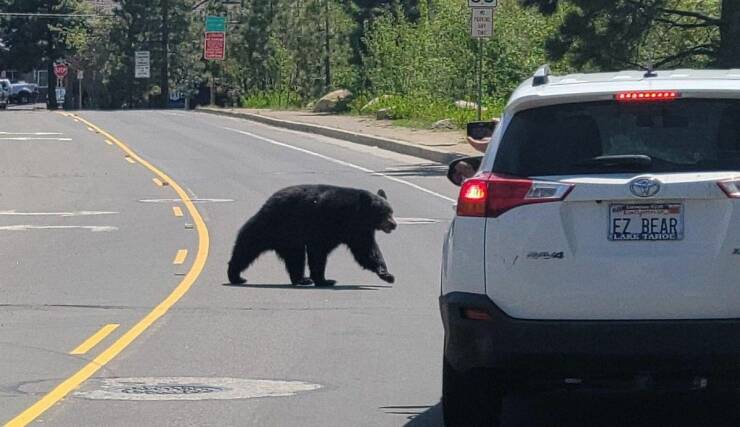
{"type": "Point", "coordinates": [650, 70]}
{"type": "Point", "coordinates": [541, 76]}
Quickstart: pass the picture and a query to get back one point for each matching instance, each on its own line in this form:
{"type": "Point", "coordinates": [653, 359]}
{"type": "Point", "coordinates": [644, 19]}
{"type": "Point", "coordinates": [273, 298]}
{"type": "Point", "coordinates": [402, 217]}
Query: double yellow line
{"type": "Point", "coordinates": [73, 382]}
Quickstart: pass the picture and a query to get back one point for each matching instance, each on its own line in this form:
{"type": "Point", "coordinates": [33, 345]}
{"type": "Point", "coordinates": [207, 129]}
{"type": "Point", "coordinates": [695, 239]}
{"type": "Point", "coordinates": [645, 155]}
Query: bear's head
{"type": "Point", "coordinates": [381, 212]}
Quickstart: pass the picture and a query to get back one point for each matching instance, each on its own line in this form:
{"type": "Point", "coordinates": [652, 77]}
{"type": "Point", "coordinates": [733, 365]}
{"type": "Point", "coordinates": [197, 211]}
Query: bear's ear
{"type": "Point", "coordinates": [382, 194]}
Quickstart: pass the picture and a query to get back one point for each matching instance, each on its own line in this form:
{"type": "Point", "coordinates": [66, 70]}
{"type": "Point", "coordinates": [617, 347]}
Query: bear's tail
{"type": "Point", "coordinates": [247, 248]}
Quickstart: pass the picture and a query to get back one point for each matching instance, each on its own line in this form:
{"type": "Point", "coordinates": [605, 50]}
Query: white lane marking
{"type": "Point", "coordinates": [34, 138]}
{"type": "Point", "coordinates": [192, 200]}
{"type": "Point", "coordinates": [169, 113]}
{"type": "Point", "coordinates": [341, 162]}
{"type": "Point", "coordinates": [78, 213]}
{"type": "Point", "coordinates": [93, 228]}
{"type": "Point", "coordinates": [31, 133]}
{"type": "Point", "coordinates": [415, 221]}
{"type": "Point", "coordinates": [189, 388]}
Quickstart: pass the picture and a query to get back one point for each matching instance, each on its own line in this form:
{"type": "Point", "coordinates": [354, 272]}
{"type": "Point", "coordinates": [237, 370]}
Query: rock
{"type": "Point", "coordinates": [333, 102]}
{"type": "Point", "coordinates": [443, 124]}
{"type": "Point", "coordinates": [468, 105]}
{"type": "Point", "coordinates": [367, 107]}
{"type": "Point", "coordinates": [384, 114]}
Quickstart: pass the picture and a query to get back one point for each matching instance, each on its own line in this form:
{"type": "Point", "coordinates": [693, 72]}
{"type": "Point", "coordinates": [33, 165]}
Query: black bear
{"type": "Point", "coordinates": [312, 220]}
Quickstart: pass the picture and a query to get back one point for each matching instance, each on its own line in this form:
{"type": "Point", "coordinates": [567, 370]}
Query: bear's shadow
{"type": "Point", "coordinates": [337, 287]}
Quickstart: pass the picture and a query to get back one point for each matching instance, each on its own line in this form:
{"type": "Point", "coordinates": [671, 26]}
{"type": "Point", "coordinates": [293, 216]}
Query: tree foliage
{"type": "Point", "coordinates": [612, 34]}
{"type": "Point", "coordinates": [33, 41]}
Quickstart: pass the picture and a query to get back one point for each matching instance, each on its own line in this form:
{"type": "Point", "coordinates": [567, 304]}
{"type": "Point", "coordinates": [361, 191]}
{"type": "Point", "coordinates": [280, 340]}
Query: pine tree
{"type": "Point", "coordinates": [667, 33]}
{"type": "Point", "coordinates": [32, 41]}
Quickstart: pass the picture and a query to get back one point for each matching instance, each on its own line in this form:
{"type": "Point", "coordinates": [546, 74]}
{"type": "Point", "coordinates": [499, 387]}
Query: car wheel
{"type": "Point", "coordinates": [472, 398]}
{"type": "Point", "coordinates": [24, 98]}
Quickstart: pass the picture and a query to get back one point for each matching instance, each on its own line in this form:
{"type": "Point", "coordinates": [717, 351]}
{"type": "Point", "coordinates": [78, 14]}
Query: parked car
{"type": "Point", "coordinates": [23, 93]}
{"type": "Point", "coordinates": [4, 93]}
{"type": "Point", "coordinates": [597, 244]}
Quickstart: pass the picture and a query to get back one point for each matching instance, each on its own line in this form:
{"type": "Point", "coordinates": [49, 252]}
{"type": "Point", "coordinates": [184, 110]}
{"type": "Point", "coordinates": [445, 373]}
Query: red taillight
{"type": "Point", "coordinates": [491, 195]}
{"type": "Point", "coordinates": [473, 197]}
{"type": "Point", "coordinates": [647, 96]}
{"type": "Point", "coordinates": [475, 314]}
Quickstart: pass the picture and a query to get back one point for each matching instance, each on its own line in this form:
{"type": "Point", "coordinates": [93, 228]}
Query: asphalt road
{"type": "Point", "coordinates": [89, 239]}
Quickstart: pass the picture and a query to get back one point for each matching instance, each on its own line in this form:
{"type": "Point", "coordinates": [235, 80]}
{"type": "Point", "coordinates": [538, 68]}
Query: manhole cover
{"type": "Point", "coordinates": [190, 388]}
{"type": "Point", "coordinates": [170, 389]}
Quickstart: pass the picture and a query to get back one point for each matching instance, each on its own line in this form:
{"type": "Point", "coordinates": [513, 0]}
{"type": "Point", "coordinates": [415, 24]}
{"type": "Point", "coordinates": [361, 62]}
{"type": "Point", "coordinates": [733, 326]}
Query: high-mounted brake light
{"type": "Point", "coordinates": [490, 195]}
{"type": "Point", "coordinates": [647, 96]}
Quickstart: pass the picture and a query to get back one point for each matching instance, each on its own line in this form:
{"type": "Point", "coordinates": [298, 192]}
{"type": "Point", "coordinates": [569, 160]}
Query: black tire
{"type": "Point", "coordinates": [23, 98]}
{"type": "Point", "coordinates": [471, 399]}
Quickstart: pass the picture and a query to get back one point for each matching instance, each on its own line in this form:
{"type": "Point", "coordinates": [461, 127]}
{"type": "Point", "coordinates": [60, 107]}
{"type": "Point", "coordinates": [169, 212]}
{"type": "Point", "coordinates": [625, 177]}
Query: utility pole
{"type": "Point", "coordinates": [165, 85]}
{"type": "Point", "coordinates": [51, 96]}
{"type": "Point", "coordinates": [327, 46]}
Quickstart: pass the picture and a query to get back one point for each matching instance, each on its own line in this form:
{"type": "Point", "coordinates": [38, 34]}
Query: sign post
{"type": "Point", "coordinates": [214, 47]}
{"type": "Point", "coordinates": [142, 68]}
{"type": "Point", "coordinates": [80, 76]}
{"type": "Point", "coordinates": [60, 71]}
{"type": "Point", "coordinates": [481, 27]}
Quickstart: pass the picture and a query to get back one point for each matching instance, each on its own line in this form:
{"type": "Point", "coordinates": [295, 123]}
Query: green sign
{"type": "Point", "coordinates": [215, 24]}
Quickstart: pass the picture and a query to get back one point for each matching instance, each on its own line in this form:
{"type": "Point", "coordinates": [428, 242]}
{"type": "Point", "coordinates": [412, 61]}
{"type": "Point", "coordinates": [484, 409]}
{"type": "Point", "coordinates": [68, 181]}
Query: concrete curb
{"type": "Point", "coordinates": [401, 147]}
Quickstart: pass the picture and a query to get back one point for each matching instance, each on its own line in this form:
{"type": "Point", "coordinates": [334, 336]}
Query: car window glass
{"type": "Point", "coordinates": [683, 135]}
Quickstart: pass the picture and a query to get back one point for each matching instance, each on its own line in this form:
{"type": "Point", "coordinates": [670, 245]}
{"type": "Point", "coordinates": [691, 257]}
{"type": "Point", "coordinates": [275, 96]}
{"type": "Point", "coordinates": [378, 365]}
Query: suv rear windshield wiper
{"type": "Point", "coordinates": [631, 161]}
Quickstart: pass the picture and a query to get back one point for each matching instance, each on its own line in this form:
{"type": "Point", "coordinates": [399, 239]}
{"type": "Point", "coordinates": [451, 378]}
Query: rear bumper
{"type": "Point", "coordinates": [585, 347]}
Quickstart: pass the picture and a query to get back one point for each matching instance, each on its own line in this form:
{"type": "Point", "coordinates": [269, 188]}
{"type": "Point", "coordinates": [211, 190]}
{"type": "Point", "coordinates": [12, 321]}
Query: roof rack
{"type": "Point", "coordinates": [541, 76]}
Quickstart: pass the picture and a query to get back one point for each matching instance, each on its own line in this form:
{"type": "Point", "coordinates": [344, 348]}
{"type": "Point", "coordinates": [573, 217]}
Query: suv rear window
{"type": "Point", "coordinates": [684, 135]}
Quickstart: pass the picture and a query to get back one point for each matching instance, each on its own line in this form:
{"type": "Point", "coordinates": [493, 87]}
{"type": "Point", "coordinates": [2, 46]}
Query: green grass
{"type": "Point", "coordinates": [277, 100]}
{"type": "Point", "coordinates": [417, 111]}
{"type": "Point", "coordinates": [422, 111]}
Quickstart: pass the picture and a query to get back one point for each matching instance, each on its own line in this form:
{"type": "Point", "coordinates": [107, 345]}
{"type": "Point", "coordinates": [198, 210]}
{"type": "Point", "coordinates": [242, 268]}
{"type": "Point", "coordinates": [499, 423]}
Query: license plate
{"type": "Point", "coordinates": [646, 222]}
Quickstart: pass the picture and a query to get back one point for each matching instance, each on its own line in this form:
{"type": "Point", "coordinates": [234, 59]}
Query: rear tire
{"type": "Point", "coordinates": [23, 98]}
{"type": "Point", "coordinates": [472, 398]}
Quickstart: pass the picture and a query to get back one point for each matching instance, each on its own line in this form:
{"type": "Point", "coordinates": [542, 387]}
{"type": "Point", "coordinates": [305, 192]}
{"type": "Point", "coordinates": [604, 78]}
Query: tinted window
{"type": "Point", "coordinates": [679, 136]}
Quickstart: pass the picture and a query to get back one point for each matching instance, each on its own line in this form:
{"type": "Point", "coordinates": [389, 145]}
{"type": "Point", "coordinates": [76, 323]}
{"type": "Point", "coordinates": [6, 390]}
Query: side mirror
{"type": "Point", "coordinates": [463, 168]}
{"type": "Point", "coordinates": [481, 130]}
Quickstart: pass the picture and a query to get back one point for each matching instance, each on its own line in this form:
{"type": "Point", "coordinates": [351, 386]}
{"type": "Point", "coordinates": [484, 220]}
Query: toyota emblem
{"type": "Point", "coordinates": [645, 187]}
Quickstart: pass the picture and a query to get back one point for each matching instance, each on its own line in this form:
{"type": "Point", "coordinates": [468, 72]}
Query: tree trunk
{"type": "Point", "coordinates": [165, 89]}
{"type": "Point", "coordinates": [729, 48]}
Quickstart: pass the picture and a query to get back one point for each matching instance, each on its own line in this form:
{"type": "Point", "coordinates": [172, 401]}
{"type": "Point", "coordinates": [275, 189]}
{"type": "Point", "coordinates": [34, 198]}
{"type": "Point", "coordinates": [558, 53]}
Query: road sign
{"type": "Point", "coordinates": [481, 23]}
{"type": "Point", "coordinates": [215, 46]}
{"type": "Point", "coordinates": [141, 64]}
{"type": "Point", "coordinates": [60, 70]}
{"type": "Point", "coordinates": [60, 93]}
{"type": "Point", "coordinates": [80, 74]}
{"type": "Point", "coordinates": [483, 3]}
{"type": "Point", "coordinates": [215, 24]}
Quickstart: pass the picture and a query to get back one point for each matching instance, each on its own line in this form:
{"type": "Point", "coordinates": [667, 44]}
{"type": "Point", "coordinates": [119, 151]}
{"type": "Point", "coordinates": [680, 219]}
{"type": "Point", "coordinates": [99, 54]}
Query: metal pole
{"type": "Point", "coordinates": [79, 94]}
{"type": "Point", "coordinates": [480, 77]}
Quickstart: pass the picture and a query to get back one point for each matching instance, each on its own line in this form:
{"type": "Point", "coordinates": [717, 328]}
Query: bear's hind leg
{"type": "Point", "coordinates": [295, 264]}
{"type": "Point", "coordinates": [317, 256]}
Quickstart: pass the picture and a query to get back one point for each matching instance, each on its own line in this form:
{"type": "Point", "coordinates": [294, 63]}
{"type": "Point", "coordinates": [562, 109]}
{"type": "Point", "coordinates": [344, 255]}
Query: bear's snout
{"type": "Point", "coordinates": [388, 225]}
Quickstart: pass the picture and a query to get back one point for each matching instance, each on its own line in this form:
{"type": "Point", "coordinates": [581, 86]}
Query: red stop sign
{"type": "Point", "coordinates": [60, 70]}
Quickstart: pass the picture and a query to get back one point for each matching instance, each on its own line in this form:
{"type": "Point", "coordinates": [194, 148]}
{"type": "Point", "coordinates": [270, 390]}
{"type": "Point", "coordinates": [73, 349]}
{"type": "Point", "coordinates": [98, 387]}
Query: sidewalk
{"type": "Point", "coordinates": [435, 145]}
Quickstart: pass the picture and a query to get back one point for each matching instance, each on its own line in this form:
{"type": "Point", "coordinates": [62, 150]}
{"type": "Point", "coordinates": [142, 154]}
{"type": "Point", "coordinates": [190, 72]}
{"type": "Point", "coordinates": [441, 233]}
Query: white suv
{"type": "Point", "coordinates": [599, 243]}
